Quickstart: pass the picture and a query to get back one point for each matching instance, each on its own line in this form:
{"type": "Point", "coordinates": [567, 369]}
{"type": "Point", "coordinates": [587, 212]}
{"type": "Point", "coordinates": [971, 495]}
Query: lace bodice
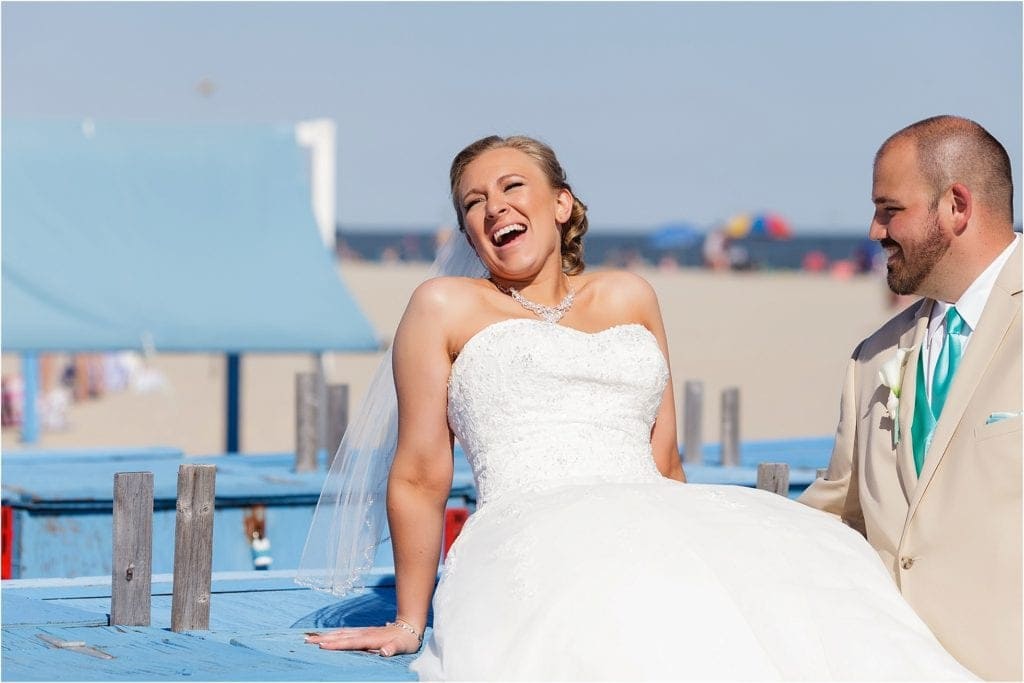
{"type": "Point", "coordinates": [537, 405]}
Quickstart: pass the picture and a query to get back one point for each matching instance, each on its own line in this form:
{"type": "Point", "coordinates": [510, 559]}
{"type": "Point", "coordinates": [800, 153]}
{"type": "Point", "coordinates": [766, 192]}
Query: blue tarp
{"type": "Point", "coordinates": [170, 237]}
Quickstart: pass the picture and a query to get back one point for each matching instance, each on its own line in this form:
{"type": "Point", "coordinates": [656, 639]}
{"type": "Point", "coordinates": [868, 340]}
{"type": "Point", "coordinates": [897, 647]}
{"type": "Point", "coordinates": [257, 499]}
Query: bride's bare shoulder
{"type": "Point", "coordinates": [618, 284]}
{"type": "Point", "coordinates": [444, 295]}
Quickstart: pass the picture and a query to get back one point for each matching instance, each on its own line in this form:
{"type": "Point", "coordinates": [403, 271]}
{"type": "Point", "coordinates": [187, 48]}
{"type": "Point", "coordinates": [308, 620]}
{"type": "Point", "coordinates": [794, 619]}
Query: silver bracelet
{"type": "Point", "coordinates": [402, 624]}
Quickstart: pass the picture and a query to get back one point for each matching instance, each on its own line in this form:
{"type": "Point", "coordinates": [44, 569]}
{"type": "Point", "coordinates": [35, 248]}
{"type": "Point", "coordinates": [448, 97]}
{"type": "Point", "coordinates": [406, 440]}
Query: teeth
{"type": "Point", "coordinates": [501, 234]}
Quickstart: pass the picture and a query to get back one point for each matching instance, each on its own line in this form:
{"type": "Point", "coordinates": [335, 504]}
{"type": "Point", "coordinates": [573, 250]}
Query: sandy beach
{"type": "Point", "coordinates": [782, 337]}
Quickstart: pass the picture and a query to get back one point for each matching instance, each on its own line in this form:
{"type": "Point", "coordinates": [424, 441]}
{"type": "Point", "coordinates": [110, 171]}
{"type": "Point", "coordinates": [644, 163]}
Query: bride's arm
{"type": "Point", "coordinates": [421, 474]}
{"type": "Point", "coordinates": [664, 440]}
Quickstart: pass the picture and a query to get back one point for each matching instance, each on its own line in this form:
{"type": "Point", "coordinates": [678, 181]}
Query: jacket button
{"type": "Point", "coordinates": [907, 562]}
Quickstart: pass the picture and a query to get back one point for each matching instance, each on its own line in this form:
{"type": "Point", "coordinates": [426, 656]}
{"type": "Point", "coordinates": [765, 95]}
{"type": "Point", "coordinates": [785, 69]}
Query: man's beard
{"type": "Point", "coordinates": [905, 275]}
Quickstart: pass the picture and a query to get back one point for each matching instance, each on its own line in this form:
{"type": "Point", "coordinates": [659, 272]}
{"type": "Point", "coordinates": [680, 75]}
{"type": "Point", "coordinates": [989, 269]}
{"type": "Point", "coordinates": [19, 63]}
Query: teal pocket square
{"type": "Point", "coordinates": [999, 417]}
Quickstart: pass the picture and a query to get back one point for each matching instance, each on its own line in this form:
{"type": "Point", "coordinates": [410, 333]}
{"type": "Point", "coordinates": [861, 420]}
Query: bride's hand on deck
{"type": "Point", "coordinates": [384, 640]}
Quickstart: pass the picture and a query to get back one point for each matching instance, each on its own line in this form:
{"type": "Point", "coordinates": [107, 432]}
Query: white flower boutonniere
{"type": "Point", "coordinates": [891, 375]}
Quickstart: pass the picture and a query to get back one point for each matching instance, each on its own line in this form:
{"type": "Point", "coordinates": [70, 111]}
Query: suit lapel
{"type": "Point", "coordinates": [913, 339]}
{"type": "Point", "coordinates": [1000, 310]}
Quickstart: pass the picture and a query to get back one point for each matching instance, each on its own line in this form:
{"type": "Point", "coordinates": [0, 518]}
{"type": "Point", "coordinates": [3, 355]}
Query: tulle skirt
{"type": "Point", "coordinates": [661, 580]}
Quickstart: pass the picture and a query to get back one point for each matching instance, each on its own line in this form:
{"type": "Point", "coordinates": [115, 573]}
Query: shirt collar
{"type": "Point", "coordinates": [972, 302]}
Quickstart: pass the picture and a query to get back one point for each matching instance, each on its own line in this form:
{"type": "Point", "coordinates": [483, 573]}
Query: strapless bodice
{"type": "Point", "coordinates": [536, 405]}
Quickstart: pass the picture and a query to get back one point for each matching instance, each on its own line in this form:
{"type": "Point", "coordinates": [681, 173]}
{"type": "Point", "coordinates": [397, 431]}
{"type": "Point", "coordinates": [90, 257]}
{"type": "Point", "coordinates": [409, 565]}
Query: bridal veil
{"type": "Point", "coordinates": [350, 517]}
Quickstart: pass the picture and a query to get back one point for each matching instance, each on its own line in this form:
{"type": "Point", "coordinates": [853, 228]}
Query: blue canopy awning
{"type": "Point", "coordinates": [166, 237]}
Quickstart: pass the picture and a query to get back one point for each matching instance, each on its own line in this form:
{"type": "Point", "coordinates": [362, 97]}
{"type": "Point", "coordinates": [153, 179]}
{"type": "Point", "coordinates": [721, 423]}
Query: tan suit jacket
{"type": "Point", "coordinates": [951, 538]}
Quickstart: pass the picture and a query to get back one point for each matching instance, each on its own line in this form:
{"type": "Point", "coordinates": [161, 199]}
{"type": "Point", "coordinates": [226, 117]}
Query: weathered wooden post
{"type": "Point", "coordinates": [693, 409]}
{"type": "Point", "coordinates": [322, 416]}
{"type": "Point", "coordinates": [306, 420]}
{"type": "Point", "coordinates": [132, 575]}
{"type": "Point", "coordinates": [774, 477]}
{"type": "Point", "coordinates": [730, 423]}
{"type": "Point", "coordinates": [193, 548]}
{"type": "Point", "coordinates": [337, 418]}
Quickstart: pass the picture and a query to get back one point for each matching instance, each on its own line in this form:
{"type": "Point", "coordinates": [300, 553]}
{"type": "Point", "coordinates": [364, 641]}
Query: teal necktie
{"type": "Point", "coordinates": [926, 413]}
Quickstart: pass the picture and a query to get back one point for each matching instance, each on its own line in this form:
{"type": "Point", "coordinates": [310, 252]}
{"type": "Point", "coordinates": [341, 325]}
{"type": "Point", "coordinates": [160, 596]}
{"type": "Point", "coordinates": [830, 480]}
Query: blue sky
{"type": "Point", "coordinates": [660, 112]}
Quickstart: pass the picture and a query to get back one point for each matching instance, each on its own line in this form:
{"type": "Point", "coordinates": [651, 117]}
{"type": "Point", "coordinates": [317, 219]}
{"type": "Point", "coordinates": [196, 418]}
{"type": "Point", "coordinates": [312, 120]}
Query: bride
{"type": "Point", "coordinates": [588, 557]}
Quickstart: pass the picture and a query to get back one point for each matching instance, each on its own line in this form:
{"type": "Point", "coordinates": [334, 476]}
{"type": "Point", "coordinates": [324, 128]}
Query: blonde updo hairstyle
{"type": "Point", "coordinates": [572, 231]}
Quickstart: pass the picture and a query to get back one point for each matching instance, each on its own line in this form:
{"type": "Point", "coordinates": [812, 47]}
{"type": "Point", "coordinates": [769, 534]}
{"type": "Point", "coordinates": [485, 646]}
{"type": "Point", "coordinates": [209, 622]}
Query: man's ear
{"type": "Point", "coordinates": [961, 206]}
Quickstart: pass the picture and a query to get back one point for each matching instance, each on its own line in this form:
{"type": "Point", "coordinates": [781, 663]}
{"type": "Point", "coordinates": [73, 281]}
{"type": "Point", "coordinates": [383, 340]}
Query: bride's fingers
{"type": "Point", "coordinates": [315, 636]}
{"type": "Point", "coordinates": [352, 639]}
{"type": "Point", "coordinates": [384, 641]}
{"type": "Point", "coordinates": [385, 646]}
{"type": "Point", "coordinates": [351, 643]}
{"type": "Point", "coordinates": [318, 637]}
{"type": "Point", "coordinates": [331, 636]}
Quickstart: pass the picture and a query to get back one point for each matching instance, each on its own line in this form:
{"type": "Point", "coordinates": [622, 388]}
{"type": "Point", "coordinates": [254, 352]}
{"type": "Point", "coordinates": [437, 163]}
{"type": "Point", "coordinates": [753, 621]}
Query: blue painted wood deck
{"type": "Point", "coordinates": [62, 501]}
{"type": "Point", "coordinates": [257, 624]}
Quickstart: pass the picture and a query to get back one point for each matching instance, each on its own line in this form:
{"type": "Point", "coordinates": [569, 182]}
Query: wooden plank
{"type": "Point", "coordinates": [349, 666]}
{"type": "Point", "coordinates": [337, 418]}
{"type": "Point", "coordinates": [146, 654]}
{"type": "Point", "coordinates": [258, 643]}
{"type": "Point", "coordinates": [693, 416]}
{"type": "Point", "coordinates": [21, 610]}
{"type": "Point", "coordinates": [730, 423]}
{"type": "Point", "coordinates": [238, 601]}
{"type": "Point", "coordinates": [132, 567]}
{"type": "Point", "coordinates": [774, 477]}
{"type": "Point", "coordinates": [248, 609]}
{"type": "Point", "coordinates": [193, 548]}
{"type": "Point", "coordinates": [306, 410]}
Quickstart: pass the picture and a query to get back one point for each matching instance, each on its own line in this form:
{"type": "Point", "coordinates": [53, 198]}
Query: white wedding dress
{"type": "Point", "coordinates": [583, 562]}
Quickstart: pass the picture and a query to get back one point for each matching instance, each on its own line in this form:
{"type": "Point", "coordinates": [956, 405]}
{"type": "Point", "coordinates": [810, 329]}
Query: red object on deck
{"type": "Point", "coordinates": [454, 520]}
{"type": "Point", "coordinates": [6, 540]}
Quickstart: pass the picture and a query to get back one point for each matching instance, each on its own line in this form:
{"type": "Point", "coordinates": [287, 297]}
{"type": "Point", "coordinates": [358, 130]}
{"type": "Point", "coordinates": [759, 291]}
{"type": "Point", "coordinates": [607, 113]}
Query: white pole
{"type": "Point", "coordinates": [320, 136]}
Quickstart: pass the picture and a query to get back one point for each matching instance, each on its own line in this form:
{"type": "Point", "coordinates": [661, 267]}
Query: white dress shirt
{"type": "Point", "coordinates": [969, 306]}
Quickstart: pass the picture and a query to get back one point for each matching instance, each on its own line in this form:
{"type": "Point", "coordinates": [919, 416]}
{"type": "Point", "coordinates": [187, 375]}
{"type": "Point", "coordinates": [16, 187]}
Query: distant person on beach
{"type": "Point", "coordinates": [588, 557]}
{"type": "Point", "coordinates": [927, 458]}
{"type": "Point", "coordinates": [715, 250]}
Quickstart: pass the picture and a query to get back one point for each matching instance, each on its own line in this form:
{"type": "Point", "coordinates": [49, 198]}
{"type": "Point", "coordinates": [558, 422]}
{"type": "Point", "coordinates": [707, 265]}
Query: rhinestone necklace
{"type": "Point", "coordinates": [551, 314]}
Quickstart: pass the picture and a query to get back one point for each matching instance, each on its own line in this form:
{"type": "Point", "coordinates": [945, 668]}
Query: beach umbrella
{"type": "Point", "coordinates": [675, 236]}
{"type": "Point", "coordinates": [767, 225]}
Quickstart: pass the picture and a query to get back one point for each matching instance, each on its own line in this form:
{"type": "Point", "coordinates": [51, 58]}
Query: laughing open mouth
{"type": "Point", "coordinates": [507, 234]}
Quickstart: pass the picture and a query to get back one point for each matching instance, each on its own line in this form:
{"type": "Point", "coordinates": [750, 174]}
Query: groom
{"type": "Point", "coordinates": [927, 457]}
